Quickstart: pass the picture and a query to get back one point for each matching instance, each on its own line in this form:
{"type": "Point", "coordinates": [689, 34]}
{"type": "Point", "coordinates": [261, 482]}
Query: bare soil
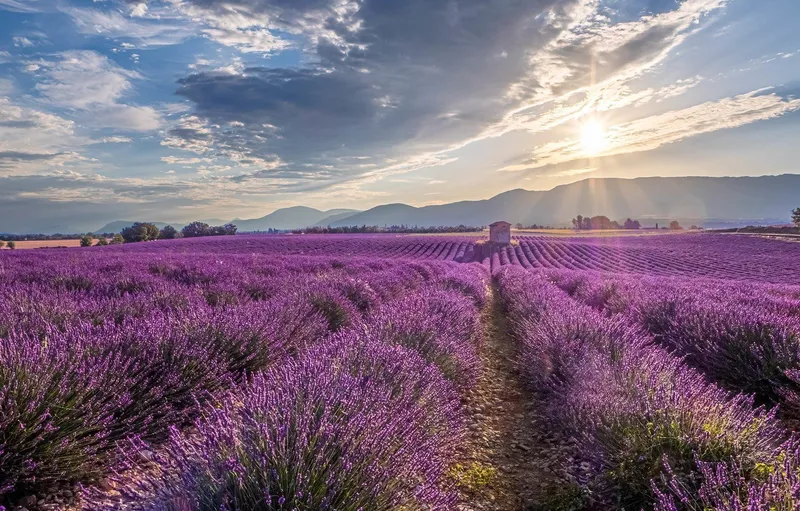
{"type": "Point", "coordinates": [507, 434]}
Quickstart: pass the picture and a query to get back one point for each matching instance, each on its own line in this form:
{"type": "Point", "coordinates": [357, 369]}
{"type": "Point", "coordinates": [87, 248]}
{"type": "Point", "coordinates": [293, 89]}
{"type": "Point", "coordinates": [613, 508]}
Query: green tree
{"type": "Point", "coordinates": [600, 222]}
{"type": "Point", "coordinates": [140, 231]}
{"type": "Point", "coordinates": [2, 243]}
{"type": "Point", "coordinates": [11, 245]}
{"type": "Point", "coordinates": [86, 241]}
{"type": "Point", "coordinates": [632, 224]}
{"type": "Point", "coordinates": [796, 217]}
{"type": "Point", "coordinates": [169, 233]}
{"type": "Point", "coordinates": [675, 226]}
{"type": "Point", "coordinates": [101, 241]}
{"type": "Point", "coordinates": [196, 230]}
{"type": "Point", "coordinates": [117, 239]}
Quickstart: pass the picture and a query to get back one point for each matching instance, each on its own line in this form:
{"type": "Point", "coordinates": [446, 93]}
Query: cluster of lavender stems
{"type": "Point", "coordinates": [744, 336]}
{"type": "Point", "coordinates": [651, 428]}
{"type": "Point", "coordinates": [327, 372]}
{"type": "Point", "coordinates": [235, 381]}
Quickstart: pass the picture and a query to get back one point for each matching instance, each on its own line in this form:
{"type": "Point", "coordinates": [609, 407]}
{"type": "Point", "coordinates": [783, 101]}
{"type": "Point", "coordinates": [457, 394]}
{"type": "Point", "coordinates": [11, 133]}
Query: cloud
{"type": "Point", "coordinates": [21, 5]}
{"type": "Point", "coordinates": [6, 87]}
{"type": "Point", "coordinates": [372, 87]}
{"type": "Point", "coordinates": [573, 172]}
{"type": "Point", "coordinates": [22, 42]}
{"type": "Point", "coordinates": [594, 58]}
{"type": "Point", "coordinates": [117, 140]}
{"type": "Point", "coordinates": [29, 136]}
{"type": "Point", "coordinates": [17, 156]}
{"type": "Point", "coordinates": [614, 98]}
{"type": "Point", "coordinates": [138, 10]}
{"type": "Point", "coordinates": [94, 85]}
{"type": "Point", "coordinates": [652, 132]}
{"type": "Point", "coordinates": [253, 25]}
{"type": "Point", "coordinates": [380, 89]}
{"type": "Point", "coordinates": [173, 160]}
{"type": "Point", "coordinates": [173, 23]}
{"type": "Point", "coordinates": [596, 49]}
{"type": "Point", "coordinates": [162, 30]}
{"type": "Point", "coordinates": [30, 40]}
{"type": "Point", "coordinates": [190, 134]}
{"type": "Point", "coordinates": [250, 41]}
{"type": "Point", "coordinates": [409, 83]}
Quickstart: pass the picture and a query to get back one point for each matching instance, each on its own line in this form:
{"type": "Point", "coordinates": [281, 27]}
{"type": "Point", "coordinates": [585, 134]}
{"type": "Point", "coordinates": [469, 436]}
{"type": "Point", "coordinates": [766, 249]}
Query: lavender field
{"type": "Point", "coordinates": [376, 372]}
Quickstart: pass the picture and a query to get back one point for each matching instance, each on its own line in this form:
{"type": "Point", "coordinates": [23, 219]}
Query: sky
{"type": "Point", "coordinates": [177, 110]}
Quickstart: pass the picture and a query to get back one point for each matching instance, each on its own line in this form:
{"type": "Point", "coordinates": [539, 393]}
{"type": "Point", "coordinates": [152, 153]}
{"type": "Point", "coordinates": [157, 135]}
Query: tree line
{"type": "Point", "coordinates": [397, 229]}
{"type": "Point", "coordinates": [601, 222]}
{"type": "Point", "coordinates": [520, 226]}
{"type": "Point", "coordinates": [144, 231]}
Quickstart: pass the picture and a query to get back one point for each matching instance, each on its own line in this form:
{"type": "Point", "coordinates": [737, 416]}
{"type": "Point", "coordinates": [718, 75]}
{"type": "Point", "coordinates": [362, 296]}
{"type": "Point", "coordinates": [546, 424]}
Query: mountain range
{"type": "Point", "coordinates": [704, 201]}
{"type": "Point", "coordinates": [708, 201]}
{"type": "Point", "coordinates": [295, 217]}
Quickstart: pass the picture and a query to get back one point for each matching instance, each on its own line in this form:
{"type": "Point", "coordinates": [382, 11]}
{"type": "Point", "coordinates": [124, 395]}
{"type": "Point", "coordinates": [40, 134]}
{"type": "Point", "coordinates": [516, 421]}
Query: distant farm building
{"type": "Point", "coordinates": [500, 233]}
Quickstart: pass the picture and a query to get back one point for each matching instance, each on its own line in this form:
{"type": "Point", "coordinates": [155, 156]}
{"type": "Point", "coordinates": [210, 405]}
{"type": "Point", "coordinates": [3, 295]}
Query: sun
{"type": "Point", "coordinates": [593, 137]}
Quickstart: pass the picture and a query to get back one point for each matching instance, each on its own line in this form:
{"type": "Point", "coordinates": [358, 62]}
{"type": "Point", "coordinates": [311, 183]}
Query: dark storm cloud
{"type": "Point", "coordinates": [394, 79]}
{"type": "Point", "coordinates": [414, 74]}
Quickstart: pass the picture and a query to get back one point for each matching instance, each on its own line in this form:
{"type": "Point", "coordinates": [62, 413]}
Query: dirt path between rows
{"type": "Point", "coordinates": [508, 463]}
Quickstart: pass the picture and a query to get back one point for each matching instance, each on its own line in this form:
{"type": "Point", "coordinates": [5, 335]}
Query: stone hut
{"type": "Point", "coordinates": [500, 233]}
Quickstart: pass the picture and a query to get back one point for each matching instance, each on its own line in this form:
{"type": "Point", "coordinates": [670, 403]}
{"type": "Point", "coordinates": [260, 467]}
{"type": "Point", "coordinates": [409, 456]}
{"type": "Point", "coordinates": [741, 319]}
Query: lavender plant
{"type": "Point", "coordinates": [631, 404]}
{"type": "Point", "coordinates": [345, 427]}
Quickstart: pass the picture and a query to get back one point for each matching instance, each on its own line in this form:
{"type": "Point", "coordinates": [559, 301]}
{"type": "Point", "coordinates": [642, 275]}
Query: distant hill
{"type": "Point", "coordinates": [325, 222]}
{"type": "Point", "coordinates": [720, 202]}
{"type": "Point", "coordinates": [290, 218]}
{"type": "Point", "coordinates": [708, 201]}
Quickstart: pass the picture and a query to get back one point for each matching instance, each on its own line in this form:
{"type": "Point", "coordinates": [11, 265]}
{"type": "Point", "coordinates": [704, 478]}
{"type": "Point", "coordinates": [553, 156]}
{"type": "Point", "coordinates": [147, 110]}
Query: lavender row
{"type": "Point", "coordinates": [134, 349]}
{"type": "Point", "coordinates": [450, 248]}
{"type": "Point", "coordinates": [746, 337]}
{"type": "Point", "coordinates": [36, 292]}
{"type": "Point", "coordinates": [697, 255]}
{"type": "Point", "coordinates": [747, 258]}
{"type": "Point", "coordinates": [651, 430]}
{"type": "Point", "coordinates": [368, 419]}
